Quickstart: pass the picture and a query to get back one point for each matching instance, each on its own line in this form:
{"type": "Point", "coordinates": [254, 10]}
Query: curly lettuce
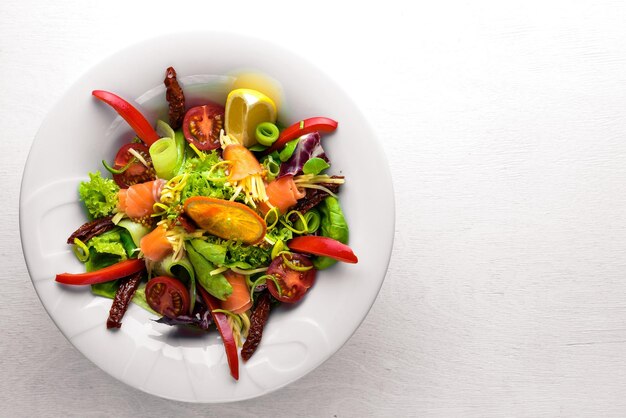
{"type": "Point", "coordinates": [238, 254]}
{"type": "Point", "coordinates": [205, 180]}
{"type": "Point", "coordinates": [99, 195]}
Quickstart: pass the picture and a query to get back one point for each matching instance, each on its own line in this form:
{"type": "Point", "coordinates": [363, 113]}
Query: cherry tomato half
{"type": "Point", "coordinates": [167, 296]}
{"type": "Point", "coordinates": [202, 125]}
{"type": "Point", "coordinates": [137, 172]}
{"type": "Point", "coordinates": [293, 284]}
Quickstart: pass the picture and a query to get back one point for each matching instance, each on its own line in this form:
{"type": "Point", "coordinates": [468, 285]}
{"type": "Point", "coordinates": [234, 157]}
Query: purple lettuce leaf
{"type": "Point", "coordinates": [201, 318]}
{"type": "Point", "coordinates": [308, 147]}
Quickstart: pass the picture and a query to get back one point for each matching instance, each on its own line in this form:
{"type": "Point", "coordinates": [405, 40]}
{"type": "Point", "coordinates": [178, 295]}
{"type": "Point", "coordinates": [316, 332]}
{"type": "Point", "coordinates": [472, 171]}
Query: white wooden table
{"type": "Point", "coordinates": [505, 127]}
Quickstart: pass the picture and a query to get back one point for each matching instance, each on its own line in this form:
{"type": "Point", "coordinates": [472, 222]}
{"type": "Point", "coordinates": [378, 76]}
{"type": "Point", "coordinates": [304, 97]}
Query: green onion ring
{"type": "Point", "coordinates": [289, 226]}
{"type": "Point", "coordinates": [266, 133]}
{"type": "Point", "coordinates": [276, 217]}
{"type": "Point", "coordinates": [80, 250]}
{"type": "Point", "coordinates": [264, 279]}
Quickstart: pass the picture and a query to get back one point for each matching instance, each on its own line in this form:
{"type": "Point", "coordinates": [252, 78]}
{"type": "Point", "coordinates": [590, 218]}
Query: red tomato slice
{"type": "Point", "coordinates": [293, 284]}
{"type": "Point", "coordinates": [202, 125]}
{"type": "Point", "coordinates": [167, 296]}
{"type": "Point", "coordinates": [137, 172]}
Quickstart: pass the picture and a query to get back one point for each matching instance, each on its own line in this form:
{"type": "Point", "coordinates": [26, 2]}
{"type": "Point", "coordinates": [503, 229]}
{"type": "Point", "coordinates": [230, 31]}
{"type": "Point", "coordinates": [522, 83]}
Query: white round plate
{"type": "Point", "coordinates": [80, 131]}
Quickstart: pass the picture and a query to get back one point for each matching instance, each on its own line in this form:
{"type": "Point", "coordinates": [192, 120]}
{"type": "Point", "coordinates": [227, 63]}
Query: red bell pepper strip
{"type": "Point", "coordinates": [306, 126]}
{"type": "Point", "coordinates": [323, 246]}
{"type": "Point", "coordinates": [135, 119]}
{"type": "Point", "coordinates": [107, 274]}
{"type": "Point", "coordinates": [221, 321]}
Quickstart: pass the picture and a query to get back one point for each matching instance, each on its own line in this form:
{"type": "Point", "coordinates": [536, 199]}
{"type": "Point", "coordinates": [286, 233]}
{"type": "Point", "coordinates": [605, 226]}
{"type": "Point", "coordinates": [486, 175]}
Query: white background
{"type": "Point", "coordinates": [505, 128]}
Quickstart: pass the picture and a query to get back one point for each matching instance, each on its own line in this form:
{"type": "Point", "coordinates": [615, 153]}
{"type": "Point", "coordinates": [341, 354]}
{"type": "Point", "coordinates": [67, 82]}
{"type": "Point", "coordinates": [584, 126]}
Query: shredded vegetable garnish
{"type": "Point", "coordinates": [177, 236]}
{"type": "Point", "coordinates": [315, 179]}
{"type": "Point", "coordinates": [80, 250]}
{"type": "Point", "coordinates": [139, 157]}
{"type": "Point", "coordinates": [272, 214]}
{"type": "Point", "coordinates": [169, 203]}
{"type": "Point", "coordinates": [226, 140]}
{"type": "Point", "coordinates": [293, 264]}
{"type": "Point", "coordinates": [262, 280]}
{"type": "Point", "coordinates": [317, 186]}
{"type": "Point", "coordinates": [172, 189]}
{"type": "Point", "coordinates": [302, 218]}
{"type": "Point", "coordinates": [245, 321]}
{"type": "Point", "coordinates": [288, 224]}
{"type": "Point", "coordinates": [278, 247]}
{"type": "Point", "coordinates": [238, 190]}
{"type": "Point", "coordinates": [253, 189]}
{"type": "Point", "coordinates": [118, 170]}
{"type": "Point", "coordinates": [248, 272]}
{"type": "Point", "coordinates": [118, 217]}
{"type": "Point", "coordinates": [227, 313]}
{"type": "Point", "coordinates": [218, 271]}
{"type": "Point", "coordinates": [199, 153]}
{"type": "Point", "coordinates": [214, 168]}
{"type": "Point", "coordinates": [312, 223]}
{"type": "Point", "coordinates": [311, 181]}
{"type": "Point", "coordinates": [238, 324]}
{"type": "Point", "coordinates": [159, 209]}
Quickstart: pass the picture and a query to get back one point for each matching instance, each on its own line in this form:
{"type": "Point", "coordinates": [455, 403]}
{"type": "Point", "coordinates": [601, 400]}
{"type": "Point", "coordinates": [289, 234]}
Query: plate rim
{"type": "Point", "coordinates": [241, 38]}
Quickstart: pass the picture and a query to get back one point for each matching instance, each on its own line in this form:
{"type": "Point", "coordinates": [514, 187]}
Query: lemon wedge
{"type": "Point", "coordinates": [245, 109]}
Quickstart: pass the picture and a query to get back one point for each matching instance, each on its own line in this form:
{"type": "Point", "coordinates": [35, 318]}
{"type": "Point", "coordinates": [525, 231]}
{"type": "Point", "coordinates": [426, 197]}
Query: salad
{"type": "Point", "coordinates": [212, 219]}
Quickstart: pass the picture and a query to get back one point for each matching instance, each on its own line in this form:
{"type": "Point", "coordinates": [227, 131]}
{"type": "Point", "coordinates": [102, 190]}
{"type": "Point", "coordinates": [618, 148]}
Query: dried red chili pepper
{"type": "Point", "coordinates": [175, 97]}
{"type": "Point", "coordinates": [122, 299]}
{"type": "Point", "coordinates": [91, 229]}
{"type": "Point", "coordinates": [257, 322]}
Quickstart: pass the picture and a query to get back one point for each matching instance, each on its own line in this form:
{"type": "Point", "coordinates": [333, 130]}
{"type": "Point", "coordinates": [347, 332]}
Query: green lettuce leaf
{"type": "Point", "coordinates": [110, 242]}
{"type": "Point", "coordinates": [99, 195]}
{"type": "Point", "coordinates": [214, 252]}
{"type": "Point", "coordinates": [139, 298]}
{"type": "Point", "coordinates": [216, 285]}
{"type": "Point", "coordinates": [107, 249]}
{"type": "Point", "coordinates": [106, 289]}
{"type": "Point", "coordinates": [333, 225]}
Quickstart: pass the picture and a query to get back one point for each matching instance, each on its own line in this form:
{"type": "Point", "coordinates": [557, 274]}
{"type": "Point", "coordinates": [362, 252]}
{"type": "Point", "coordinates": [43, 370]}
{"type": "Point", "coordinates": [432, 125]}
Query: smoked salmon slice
{"type": "Point", "coordinates": [239, 301]}
{"type": "Point", "coordinates": [155, 246]}
{"type": "Point", "coordinates": [282, 193]}
{"type": "Point", "coordinates": [137, 200]}
{"type": "Point", "coordinates": [242, 162]}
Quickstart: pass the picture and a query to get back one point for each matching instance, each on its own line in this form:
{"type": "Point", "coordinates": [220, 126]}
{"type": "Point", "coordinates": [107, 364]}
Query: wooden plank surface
{"type": "Point", "coordinates": [504, 124]}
